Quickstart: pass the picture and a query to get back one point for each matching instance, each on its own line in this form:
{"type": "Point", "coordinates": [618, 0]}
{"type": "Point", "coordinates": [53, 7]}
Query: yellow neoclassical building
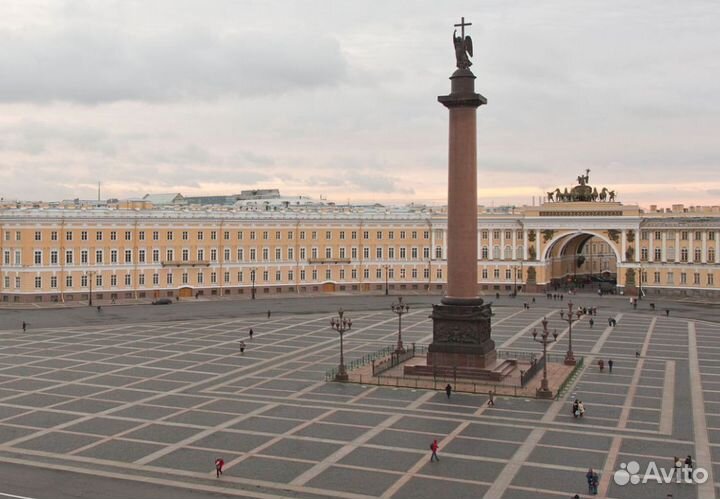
{"type": "Point", "coordinates": [269, 246]}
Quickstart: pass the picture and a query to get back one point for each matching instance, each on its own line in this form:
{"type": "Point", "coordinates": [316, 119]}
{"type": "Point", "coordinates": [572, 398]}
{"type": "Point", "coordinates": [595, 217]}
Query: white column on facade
{"type": "Point", "coordinates": [525, 244]}
{"type": "Point", "coordinates": [704, 247]}
{"type": "Point", "coordinates": [691, 246]}
{"type": "Point", "coordinates": [491, 244]}
{"type": "Point", "coordinates": [717, 247]}
{"type": "Point", "coordinates": [677, 246]}
{"type": "Point", "coordinates": [651, 246]}
{"type": "Point", "coordinates": [537, 244]}
{"type": "Point", "coordinates": [623, 245]}
{"type": "Point", "coordinates": [479, 243]}
{"type": "Point", "coordinates": [432, 244]}
{"type": "Point", "coordinates": [444, 251]}
{"type": "Point", "coordinates": [637, 245]}
{"type": "Point", "coordinates": [514, 244]}
{"type": "Point", "coordinates": [663, 246]}
{"type": "Point", "coordinates": [502, 244]}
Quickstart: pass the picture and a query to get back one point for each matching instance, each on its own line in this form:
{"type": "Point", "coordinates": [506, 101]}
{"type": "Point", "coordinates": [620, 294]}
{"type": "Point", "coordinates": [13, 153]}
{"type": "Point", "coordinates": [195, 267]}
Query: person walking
{"type": "Point", "coordinates": [448, 390]}
{"type": "Point", "coordinates": [689, 465]}
{"type": "Point", "coordinates": [268, 314]}
{"type": "Point", "coordinates": [595, 483]}
{"type": "Point", "coordinates": [581, 409]}
{"type": "Point", "coordinates": [242, 348]}
{"type": "Point", "coordinates": [593, 480]}
{"type": "Point", "coordinates": [610, 365]}
{"type": "Point", "coordinates": [592, 322]}
{"type": "Point", "coordinates": [667, 312]}
{"type": "Point", "coordinates": [491, 398]}
{"type": "Point", "coordinates": [601, 365]}
{"type": "Point", "coordinates": [575, 408]}
{"type": "Point", "coordinates": [250, 333]}
{"type": "Point", "coordinates": [434, 447]}
{"type": "Point", "coordinates": [589, 478]}
{"type": "Point", "coordinates": [24, 326]}
{"type": "Point", "coordinates": [219, 463]}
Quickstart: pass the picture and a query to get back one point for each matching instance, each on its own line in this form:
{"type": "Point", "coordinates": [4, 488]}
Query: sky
{"type": "Point", "coordinates": [338, 98]}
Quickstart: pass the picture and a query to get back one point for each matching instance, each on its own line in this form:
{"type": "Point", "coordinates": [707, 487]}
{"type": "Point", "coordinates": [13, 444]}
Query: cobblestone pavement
{"type": "Point", "coordinates": [156, 403]}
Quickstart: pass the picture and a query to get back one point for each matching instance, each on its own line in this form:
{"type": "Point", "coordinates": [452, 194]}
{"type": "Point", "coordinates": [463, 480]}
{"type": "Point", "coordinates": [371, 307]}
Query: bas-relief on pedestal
{"type": "Point", "coordinates": [461, 337]}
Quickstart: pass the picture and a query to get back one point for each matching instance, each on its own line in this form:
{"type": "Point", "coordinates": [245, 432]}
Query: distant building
{"type": "Point", "coordinates": [212, 200]}
{"type": "Point", "coordinates": [259, 194]}
{"type": "Point", "coordinates": [162, 246]}
{"type": "Point", "coordinates": [173, 198]}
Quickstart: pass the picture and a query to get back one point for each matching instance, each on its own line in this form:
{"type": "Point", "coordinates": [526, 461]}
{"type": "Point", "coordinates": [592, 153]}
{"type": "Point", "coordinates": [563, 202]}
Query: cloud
{"type": "Point", "coordinates": [90, 66]}
{"type": "Point", "coordinates": [365, 181]}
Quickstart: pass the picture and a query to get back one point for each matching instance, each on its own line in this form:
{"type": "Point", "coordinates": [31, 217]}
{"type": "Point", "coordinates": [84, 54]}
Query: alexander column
{"type": "Point", "coordinates": [461, 323]}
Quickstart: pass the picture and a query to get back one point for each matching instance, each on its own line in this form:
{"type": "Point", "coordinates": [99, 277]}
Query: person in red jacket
{"type": "Point", "coordinates": [219, 463]}
{"type": "Point", "coordinates": [434, 448]}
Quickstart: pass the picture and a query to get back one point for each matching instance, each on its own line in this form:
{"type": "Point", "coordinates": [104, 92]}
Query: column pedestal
{"type": "Point", "coordinates": [461, 337]}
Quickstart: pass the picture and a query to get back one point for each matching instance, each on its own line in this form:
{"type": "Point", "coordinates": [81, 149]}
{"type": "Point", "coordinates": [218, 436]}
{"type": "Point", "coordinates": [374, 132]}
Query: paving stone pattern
{"type": "Point", "coordinates": [165, 399]}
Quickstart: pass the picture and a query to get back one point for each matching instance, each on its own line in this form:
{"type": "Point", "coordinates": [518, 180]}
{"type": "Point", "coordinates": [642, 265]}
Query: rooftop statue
{"type": "Point", "coordinates": [582, 192]}
{"type": "Point", "coordinates": [463, 46]}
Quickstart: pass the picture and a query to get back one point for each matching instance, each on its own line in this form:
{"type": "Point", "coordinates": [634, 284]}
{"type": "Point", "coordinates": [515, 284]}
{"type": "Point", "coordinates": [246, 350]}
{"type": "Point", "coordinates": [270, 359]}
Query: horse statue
{"type": "Point", "coordinates": [594, 194]}
{"type": "Point", "coordinates": [611, 196]}
{"type": "Point", "coordinates": [603, 194]}
{"type": "Point", "coordinates": [550, 196]}
{"type": "Point", "coordinates": [566, 195]}
{"type": "Point", "coordinates": [558, 195]}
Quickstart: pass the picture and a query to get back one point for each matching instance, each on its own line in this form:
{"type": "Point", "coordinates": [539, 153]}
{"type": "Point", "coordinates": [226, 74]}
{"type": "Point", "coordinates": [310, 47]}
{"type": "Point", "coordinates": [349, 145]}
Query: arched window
{"type": "Point", "coordinates": [520, 252]}
{"type": "Point", "coordinates": [496, 252]}
{"type": "Point", "coordinates": [508, 253]}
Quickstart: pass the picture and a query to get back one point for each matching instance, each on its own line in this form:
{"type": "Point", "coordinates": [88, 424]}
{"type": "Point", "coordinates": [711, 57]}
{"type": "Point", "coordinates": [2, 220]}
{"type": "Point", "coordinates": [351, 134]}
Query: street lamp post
{"type": "Point", "coordinates": [90, 274]}
{"type": "Point", "coordinates": [341, 324]}
{"type": "Point", "coordinates": [252, 278]}
{"type": "Point", "coordinates": [570, 356]}
{"type": "Point", "coordinates": [399, 308]}
{"type": "Point", "coordinates": [545, 340]}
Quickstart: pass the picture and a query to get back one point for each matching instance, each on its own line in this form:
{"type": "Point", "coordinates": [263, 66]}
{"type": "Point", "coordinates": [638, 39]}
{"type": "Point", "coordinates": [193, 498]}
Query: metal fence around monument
{"type": "Point", "coordinates": [395, 359]}
{"type": "Point", "coordinates": [362, 361]}
{"type": "Point", "coordinates": [529, 373]}
{"type": "Point", "coordinates": [570, 378]}
{"type": "Point", "coordinates": [387, 358]}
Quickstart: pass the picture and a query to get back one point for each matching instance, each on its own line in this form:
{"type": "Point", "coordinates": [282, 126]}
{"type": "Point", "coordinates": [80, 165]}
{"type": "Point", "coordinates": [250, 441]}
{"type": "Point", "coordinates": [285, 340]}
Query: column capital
{"type": "Point", "coordinates": [462, 91]}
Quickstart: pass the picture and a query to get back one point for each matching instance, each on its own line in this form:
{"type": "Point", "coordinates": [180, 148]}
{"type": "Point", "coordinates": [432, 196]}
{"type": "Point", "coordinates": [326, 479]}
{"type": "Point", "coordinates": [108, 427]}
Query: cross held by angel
{"type": "Point", "coordinates": [463, 46]}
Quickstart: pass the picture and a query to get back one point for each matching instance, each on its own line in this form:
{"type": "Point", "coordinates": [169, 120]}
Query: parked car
{"type": "Point", "coordinates": [162, 301]}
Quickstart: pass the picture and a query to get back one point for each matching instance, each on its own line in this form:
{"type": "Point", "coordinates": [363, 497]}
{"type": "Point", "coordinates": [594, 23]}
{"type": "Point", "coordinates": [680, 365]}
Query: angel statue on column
{"type": "Point", "coordinates": [463, 48]}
